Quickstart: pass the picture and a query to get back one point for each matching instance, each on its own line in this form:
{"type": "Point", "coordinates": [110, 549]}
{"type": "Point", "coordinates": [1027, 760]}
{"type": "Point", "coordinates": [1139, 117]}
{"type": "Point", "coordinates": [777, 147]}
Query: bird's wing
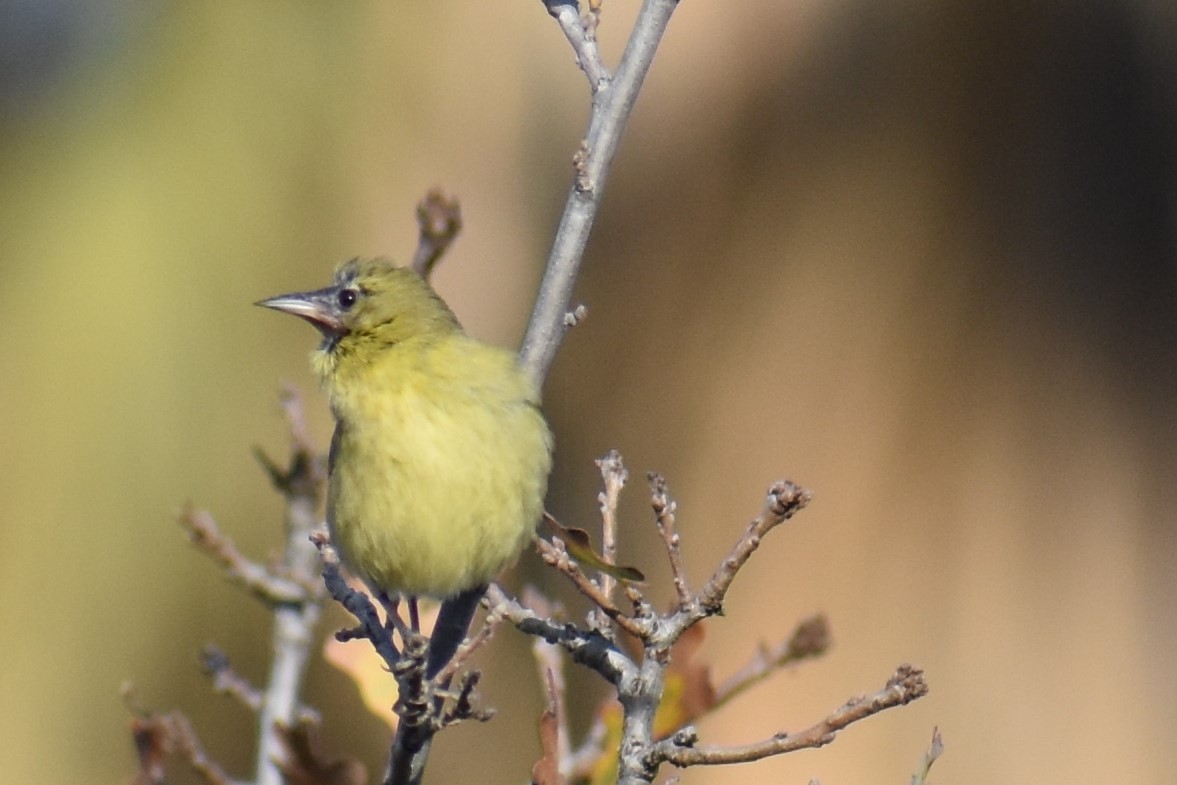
{"type": "Point", "coordinates": [336, 437]}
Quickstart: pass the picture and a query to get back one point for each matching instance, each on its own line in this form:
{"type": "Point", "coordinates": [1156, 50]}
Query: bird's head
{"type": "Point", "coordinates": [370, 300]}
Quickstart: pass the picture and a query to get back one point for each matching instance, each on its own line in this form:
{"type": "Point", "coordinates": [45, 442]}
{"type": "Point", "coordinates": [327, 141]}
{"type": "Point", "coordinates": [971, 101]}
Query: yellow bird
{"type": "Point", "coordinates": [440, 457]}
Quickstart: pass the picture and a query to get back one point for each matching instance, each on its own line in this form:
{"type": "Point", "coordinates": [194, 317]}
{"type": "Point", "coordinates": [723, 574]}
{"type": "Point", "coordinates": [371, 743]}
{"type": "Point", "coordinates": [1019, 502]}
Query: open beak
{"type": "Point", "coordinates": [320, 308]}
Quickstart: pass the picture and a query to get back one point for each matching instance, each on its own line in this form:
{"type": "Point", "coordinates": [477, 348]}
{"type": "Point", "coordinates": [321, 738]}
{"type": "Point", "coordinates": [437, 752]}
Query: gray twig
{"type": "Point", "coordinates": [811, 638]}
{"type": "Point", "coordinates": [681, 749]}
{"type": "Point", "coordinates": [614, 476]}
{"type": "Point", "coordinates": [664, 515]}
{"type": "Point", "coordinates": [612, 103]}
{"type": "Point", "coordinates": [935, 750]}
{"type": "Point", "coordinates": [581, 33]}
{"type": "Point", "coordinates": [302, 484]}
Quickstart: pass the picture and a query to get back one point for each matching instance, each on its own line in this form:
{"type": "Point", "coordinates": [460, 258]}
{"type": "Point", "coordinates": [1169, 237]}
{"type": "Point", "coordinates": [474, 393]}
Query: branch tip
{"type": "Point", "coordinates": [439, 221]}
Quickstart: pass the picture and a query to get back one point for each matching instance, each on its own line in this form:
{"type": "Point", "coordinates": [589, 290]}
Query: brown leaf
{"type": "Point", "coordinates": [580, 545]}
{"type": "Point", "coordinates": [153, 743]}
{"type": "Point", "coordinates": [306, 765]}
{"type": "Point", "coordinates": [546, 770]}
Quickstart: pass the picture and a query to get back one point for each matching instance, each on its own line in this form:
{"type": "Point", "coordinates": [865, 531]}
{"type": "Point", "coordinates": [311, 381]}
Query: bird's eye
{"type": "Point", "coordinates": [347, 298]}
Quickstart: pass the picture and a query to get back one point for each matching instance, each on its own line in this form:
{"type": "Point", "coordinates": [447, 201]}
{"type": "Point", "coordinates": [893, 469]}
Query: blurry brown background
{"type": "Point", "coordinates": [917, 256]}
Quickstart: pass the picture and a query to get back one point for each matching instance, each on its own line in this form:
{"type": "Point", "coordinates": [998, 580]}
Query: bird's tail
{"type": "Point", "coordinates": [453, 620]}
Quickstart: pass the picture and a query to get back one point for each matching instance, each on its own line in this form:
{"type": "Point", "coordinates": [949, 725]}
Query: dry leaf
{"type": "Point", "coordinates": [305, 765]}
{"type": "Point", "coordinates": [546, 770]}
{"type": "Point", "coordinates": [580, 546]}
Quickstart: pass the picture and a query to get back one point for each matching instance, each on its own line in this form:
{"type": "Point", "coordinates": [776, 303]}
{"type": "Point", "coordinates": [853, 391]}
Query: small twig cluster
{"type": "Point", "coordinates": [425, 705]}
{"type": "Point", "coordinates": [638, 673]}
{"type": "Point", "coordinates": [294, 592]}
{"type": "Point", "coordinates": [291, 590]}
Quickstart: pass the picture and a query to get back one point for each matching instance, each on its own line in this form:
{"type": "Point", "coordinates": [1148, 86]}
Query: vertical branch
{"type": "Point", "coordinates": [294, 623]}
{"type": "Point", "coordinates": [614, 475]}
{"type": "Point", "coordinates": [664, 509]}
{"type": "Point", "coordinates": [612, 104]}
{"type": "Point", "coordinates": [639, 702]}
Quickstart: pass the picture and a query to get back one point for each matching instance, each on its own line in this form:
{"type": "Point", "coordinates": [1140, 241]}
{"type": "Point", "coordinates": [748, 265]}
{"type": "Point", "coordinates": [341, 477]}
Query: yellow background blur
{"type": "Point", "coordinates": [919, 257]}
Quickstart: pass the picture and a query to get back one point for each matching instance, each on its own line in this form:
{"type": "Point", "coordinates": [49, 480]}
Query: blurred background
{"type": "Point", "coordinates": [919, 257]}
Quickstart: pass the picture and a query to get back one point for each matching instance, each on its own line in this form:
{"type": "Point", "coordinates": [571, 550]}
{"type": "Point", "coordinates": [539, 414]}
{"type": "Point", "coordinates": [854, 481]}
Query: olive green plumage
{"type": "Point", "coordinates": [440, 457]}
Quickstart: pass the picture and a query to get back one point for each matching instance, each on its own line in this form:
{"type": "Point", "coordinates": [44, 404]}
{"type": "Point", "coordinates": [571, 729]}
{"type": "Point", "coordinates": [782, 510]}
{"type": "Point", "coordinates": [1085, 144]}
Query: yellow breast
{"type": "Point", "coordinates": [440, 467]}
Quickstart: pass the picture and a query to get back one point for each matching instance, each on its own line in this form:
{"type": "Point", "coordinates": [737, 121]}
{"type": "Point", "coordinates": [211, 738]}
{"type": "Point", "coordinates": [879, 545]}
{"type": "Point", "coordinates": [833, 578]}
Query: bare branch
{"type": "Point", "coordinates": [258, 580]}
{"type": "Point", "coordinates": [935, 750]}
{"type": "Point", "coordinates": [907, 684]}
{"type": "Point", "coordinates": [582, 34]}
{"type": "Point", "coordinates": [585, 647]}
{"type": "Point", "coordinates": [611, 109]}
{"type": "Point", "coordinates": [227, 681]}
{"type": "Point", "coordinates": [462, 705]}
{"type": "Point", "coordinates": [614, 475]}
{"type": "Point", "coordinates": [158, 736]}
{"type": "Point", "coordinates": [810, 639]}
{"type": "Point", "coordinates": [468, 648]}
{"type": "Point", "coordinates": [439, 220]}
{"type": "Point", "coordinates": [664, 509]}
{"type": "Point", "coordinates": [302, 484]}
{"type": "Point", "coordinates": [419, 719]}
{"type": "Point", "coordinates": [356, 603]}
{"type": "Point", "coordinates": [556, 555]}
{"type": "Point", "coordinates": [292, 409]}
{"type": "Point", "coordinates": [783, 501]}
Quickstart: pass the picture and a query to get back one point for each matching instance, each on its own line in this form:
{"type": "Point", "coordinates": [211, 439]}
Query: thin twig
{"type": "Point", "coordinates": [581, 34]}
{"type": "Point", "coordinates": [468, 648]}
{"type": "Point", "coordinates": [228, 681]}
{"type": "Point", "coordinates": [259, 581]}
{"type": "Point", "coordinates": [935, 750]}
{"type": "Point", "coordinates": [462, 705]}
{"type": "Point", "coordinates": [784, 499]}
{"type": "Point", "coordinates": [555, 554]}
{"type": "Point", "coordinates": [439, 220]}
{"type": "Point", "coordinates": [586, 647]}
{"type": "Point", "coordinates": [292, 409]}
{"type": "Point", "coordinates": [907, 684]}
{"type": "Point", "coordinates": [356, 603]}
{"type": "Point", "coordinates": [810, 639]}
{"type": "Point", "coordinates": [664, 510]}
{"type": "Point", "coordinates": [614, 475]}
{"type": "Point", "coordinates": [157, 736]}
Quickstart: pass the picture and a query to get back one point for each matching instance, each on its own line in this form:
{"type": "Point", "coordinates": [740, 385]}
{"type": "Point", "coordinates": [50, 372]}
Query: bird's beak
{"type": "Point", "coordinates": [320, 308]}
